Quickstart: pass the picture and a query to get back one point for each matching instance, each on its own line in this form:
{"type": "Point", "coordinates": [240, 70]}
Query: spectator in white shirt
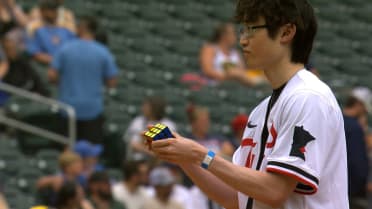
{"type": "Point", "coordinates": [130, 192]}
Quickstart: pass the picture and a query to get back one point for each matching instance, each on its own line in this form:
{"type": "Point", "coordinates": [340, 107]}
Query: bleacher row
{"type": "Point", "coordinates": [155, 42]}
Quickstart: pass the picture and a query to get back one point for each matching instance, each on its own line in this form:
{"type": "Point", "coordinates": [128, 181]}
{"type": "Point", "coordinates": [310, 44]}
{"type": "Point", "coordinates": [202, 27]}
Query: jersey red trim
{"type": "Point", "coordinates": [297, 177]}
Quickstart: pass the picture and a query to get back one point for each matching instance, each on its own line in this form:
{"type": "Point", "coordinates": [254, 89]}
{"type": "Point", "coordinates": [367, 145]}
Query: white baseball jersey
{"type": "Point", "coordinates": [305, 140]}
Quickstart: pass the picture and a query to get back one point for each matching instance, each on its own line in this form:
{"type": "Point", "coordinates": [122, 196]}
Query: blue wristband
{"type": "Point", "coordinates": [208, 159]}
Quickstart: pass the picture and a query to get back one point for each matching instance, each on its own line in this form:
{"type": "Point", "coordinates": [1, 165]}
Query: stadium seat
{"type": "Point", "coordinates": [222, 12]}
{"type": "Point", "coordinates": [202, 29]}
{"type": "Point", "coordinates": [187, 46]}
{"type": "Point", "coordinates": [47, 161]}
{"type": "Point", "coordinates": [170, 29]}
{"type": "Point", "coordinates": [191, 12]}
{"type": "Point", "coordinates": [154, 12]}
{"type": "Point", "coordinates": [9, 161]}
{"type": "Point", "coordinates": [26, 179]}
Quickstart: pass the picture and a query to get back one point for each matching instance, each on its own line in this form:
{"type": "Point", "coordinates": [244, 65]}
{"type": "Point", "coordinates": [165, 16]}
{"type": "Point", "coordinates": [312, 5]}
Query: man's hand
{"type": "Point", "coordinates": [178, 150]}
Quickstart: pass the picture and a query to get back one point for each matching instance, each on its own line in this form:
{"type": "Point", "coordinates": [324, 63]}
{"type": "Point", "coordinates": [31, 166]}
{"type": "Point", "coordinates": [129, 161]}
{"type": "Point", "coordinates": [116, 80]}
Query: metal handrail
{"type": "Point", "coordinates": [70, 140]}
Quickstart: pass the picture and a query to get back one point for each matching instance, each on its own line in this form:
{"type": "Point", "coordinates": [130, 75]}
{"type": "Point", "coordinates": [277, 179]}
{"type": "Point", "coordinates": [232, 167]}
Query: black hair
{"type": "Point", "coordinates": [158, 105]}
{"type": "Point", "coordinates": [66, 193]}
{"type": "Point", "coordinates": [351, 102]}
{"type": "Point", "coordinates": [131, 168]}
{"type": "Point", "coordinates": [48, 4]}
{"type": "Point", "coordinates": [90, 23]}
{"type": "Point", "coordinates": [278, 13]}
{"type": "Point", "coordinates": [99, 176]}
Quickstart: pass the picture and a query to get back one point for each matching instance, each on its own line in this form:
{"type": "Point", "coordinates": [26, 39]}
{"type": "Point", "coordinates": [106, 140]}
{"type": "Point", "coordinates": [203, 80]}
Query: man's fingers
{"type": "Point", "coordinates": [161, 143]}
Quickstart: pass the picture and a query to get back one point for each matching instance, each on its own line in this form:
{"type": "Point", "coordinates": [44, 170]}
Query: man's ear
{"type": "Point", "coordinates": [287, 33]}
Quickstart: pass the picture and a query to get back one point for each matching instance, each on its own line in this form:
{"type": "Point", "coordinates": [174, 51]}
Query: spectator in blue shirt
{"type": "Point", "coordinates": [48, 38]}
{"type": "Point", "coordinates": [357, 105]}
{"type": "Point", "coordinates": [82, 67]}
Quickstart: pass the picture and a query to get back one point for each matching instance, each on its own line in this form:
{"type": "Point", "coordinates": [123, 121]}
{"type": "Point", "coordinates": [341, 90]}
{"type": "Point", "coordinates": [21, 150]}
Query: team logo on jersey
{"type": "Point", "coordinates": [300, 139]}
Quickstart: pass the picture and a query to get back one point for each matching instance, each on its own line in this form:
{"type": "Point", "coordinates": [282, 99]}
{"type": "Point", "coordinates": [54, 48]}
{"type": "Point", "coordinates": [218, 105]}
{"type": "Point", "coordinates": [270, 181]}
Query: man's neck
{"type": "Point", "coordinates": [132, 187]}
{"type": "Point", "coordinates": [87, 37]}
{"type": "Point", "coordinates": [281, 72]}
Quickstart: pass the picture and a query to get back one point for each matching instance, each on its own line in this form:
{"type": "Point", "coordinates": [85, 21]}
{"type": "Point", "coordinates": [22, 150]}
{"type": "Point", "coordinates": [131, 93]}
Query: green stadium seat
{"type": "Point", "coordinates": [222, 12]}
{"type": "Point", "coordinates": [335, 13]}
{"type": "Point", "coordinates": [149, 45]}
{"type": "Point", "coordinates": [154, 12]}
{"type": "Point", "coordinates": [27, 178]}
{"type": "Point", "coordinates": [47, 161]}
{"type": "Point", "coordinates": [202, 29]}
{"type": "Point", "coordinates": [170, 29]}
{"type": "Point", "coordinates": [187, 46]}
{"type": "Point", "coordinates": [191, 12]}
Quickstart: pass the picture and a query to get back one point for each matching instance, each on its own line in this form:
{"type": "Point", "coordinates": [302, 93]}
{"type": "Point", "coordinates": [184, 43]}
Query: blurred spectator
{"type": "Point", "coordinates": [11, 17]}
{"type": "Point", "coordinates": [71, 167]}
{"type": "Point", "coordinates": [163, 181]}
{"type": "Point", "coordinates": [200, 123]}
{"type": "Point", "coordinates": [130, 192]}
{"type": "Point", "coordinates": [358, 104]}
{"type": "Point", "coordinates": [4, 66]}
{"type": "Point", "coordinates": [153, 111]}
{"type": "Point", "coordinates": [90, 155]}
{"type": "Point", "coordinates": [65, 17]}
{"type": "Point", "coordinates": [200, 201]}
{"type": "Point", "coordinates": [48, 37]}
{"type": "Point", "coordinates": [71, 196]}
{"type": "Point", "coordinates": [180, 193]}
{"type": "Point", "coordinates": [238, 125]}
{"type": "Point", "coordinates": [81, 68]}
{"type": "Point", "coordinates": [99, 192]}
{"type": "Point", "coordinates": [220, 60]}
{"type": "Point", "coordinates": [20, 72]}
{"type": "Point", "coordinates": [3, 203]}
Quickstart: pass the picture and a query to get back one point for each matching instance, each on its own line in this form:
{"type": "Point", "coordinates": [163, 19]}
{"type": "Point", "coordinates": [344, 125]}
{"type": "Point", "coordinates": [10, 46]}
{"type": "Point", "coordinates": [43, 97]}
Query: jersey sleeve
{"type": "Point", "coordinates": [300, 149]}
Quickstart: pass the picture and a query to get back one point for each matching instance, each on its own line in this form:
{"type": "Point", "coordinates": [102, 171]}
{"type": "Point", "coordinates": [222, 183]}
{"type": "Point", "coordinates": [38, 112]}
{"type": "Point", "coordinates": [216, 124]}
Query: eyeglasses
{"type": "Point", "coordinates": [248, 31]}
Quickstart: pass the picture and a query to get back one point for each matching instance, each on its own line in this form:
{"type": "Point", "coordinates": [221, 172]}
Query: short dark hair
{"type": "Point", "coordinates": [90, 23]}
{"type": "Point", "coordinates": [351, 102]}
{"type": "Point", "coordinates": [278, 13]}
{"type": "Point", "coordinates": [131, 168]}
{"type": "Point", "coordinates": [67, 192]}
{"type": "Point", "coordinates": [48, 4]}
{"type": "Point", "coordinates": [99, 176]}
{"type": "Point", "coordinates": [158, 105]}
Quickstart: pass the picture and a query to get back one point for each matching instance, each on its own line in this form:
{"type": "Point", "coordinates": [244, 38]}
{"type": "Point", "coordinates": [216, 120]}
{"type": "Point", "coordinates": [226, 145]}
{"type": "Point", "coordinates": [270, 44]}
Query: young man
{"type": "Point", "coordinates": [131, 192]}
{"type": "Point", "coordinates": [293, 152]}
{"type": "Point", "coordinates": [99, 192]}
{"type": "Point", "coordinates": [46, 37]}
{"type": "Point", "coordinates": [82, 68]}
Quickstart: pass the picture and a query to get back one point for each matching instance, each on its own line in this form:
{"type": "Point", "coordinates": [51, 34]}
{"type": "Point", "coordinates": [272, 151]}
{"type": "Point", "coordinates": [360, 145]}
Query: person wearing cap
{"type": "Point", "coordinates": [162, 180]}
{"type": "Point", "coordinates": [238, 125]}
{"type": "Point", "coordinates": [130, 191]}
{"type": "Point", "coordinates": [71, 167]}
{"type": "Point", "coordinates": [99, 192]}
{"type": "Point", "coordinates": [90, 155]}
{"type": "Point", "coordinates": [357, 106]}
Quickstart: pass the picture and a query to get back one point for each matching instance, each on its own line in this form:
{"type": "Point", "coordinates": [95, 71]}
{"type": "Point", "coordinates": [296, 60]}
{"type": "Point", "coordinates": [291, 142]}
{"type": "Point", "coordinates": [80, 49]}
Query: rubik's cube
{"type": "Point", "coordinates": [159, 131]}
